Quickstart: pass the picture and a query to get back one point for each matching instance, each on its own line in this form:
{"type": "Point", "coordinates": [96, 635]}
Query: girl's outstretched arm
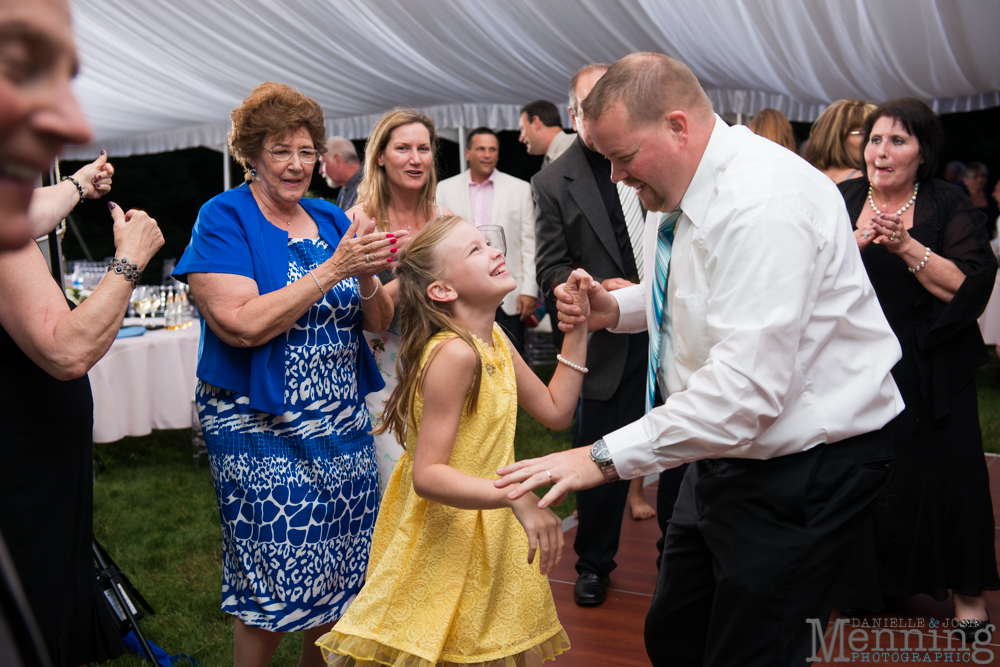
{"type": "Point", "coordinates": [447, 379]}
{"type": "Point", "coordinates": [555, 404]}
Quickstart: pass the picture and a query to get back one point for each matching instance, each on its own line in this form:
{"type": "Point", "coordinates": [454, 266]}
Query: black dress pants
{"type": "Point", "coordinates": [600, 509]}
{"type": "Point", "coordinates": [755, 548]}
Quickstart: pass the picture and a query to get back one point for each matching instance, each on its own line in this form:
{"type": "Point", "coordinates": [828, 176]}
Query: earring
{"type": "Point", "coordinates": [253, 173]}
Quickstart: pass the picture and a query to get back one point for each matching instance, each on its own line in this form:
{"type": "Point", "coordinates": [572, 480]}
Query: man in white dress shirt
{"type": "Point", "coordinates": [774, 364]}
{"type": "Point", "coordinates": [541, 131]}
{"type": "Point", "coordinates": [488, 196]}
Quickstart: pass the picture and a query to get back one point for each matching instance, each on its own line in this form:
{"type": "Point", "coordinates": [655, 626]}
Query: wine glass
{"type": "Point", "coordinates": [145, 299]}
{"type": "Point", "coordinates": [140, 302]}
{"type": "Point", "coordinates": [494, 235]}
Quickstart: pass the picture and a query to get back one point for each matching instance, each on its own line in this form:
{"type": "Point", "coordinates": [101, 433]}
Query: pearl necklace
{"type": "Point", "coordinates": [916, 187]}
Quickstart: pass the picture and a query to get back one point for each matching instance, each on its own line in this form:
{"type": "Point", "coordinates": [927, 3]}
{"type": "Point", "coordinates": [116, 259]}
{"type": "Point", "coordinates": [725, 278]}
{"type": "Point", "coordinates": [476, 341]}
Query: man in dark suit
{"type": "Point", "coordinates": [582, 220]}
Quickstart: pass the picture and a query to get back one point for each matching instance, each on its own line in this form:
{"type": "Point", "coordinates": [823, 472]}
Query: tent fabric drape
{"type": "Point", "coordinates": [160, 75]}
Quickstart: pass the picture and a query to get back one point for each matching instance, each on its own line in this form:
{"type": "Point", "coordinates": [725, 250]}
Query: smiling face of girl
{"type": "Point", "coordinates": [474, 270]}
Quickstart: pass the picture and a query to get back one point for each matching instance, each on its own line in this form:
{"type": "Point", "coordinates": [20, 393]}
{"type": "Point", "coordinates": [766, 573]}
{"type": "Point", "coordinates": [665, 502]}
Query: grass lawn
{"type": "Point", "coordinates": [156, 514]}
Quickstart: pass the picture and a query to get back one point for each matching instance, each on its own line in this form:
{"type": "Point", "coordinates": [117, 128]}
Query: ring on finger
{"type": "Point", "coordinates": [893, 237]}
{"type": "Point", "coordinates": [867, 233]}
{"type": "Point", "coordinates": [549, 474]}
{"type": "Point", "coordinates": [368, 258]}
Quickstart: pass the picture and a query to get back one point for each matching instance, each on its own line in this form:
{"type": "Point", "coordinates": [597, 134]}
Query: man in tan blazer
{"type": "Point", "coordinates": [487, 196]}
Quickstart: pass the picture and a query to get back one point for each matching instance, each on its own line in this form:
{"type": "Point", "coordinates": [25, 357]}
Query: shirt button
{"type": "Point", "coordinates": [636, 472]}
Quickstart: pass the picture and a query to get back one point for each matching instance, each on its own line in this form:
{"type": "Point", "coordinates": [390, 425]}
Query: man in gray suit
{"type": "Point", "coordinates": [341, 168]}
{"type": "Point", "coordinates": [583, 220]}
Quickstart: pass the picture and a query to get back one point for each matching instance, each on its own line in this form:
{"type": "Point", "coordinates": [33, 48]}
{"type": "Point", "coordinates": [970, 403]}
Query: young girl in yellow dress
{"type": "Point", "coordinates": [451, 580]}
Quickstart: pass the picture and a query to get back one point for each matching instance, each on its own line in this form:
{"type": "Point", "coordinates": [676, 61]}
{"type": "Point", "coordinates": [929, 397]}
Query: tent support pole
{"type": "Point", "coordinates": [225, 167]}
{"type": "Point", "coordinates": [462, 164]}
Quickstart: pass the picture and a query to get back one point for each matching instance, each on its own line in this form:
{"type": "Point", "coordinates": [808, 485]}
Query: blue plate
{"type": "Point", "coordinates": [129, 332]}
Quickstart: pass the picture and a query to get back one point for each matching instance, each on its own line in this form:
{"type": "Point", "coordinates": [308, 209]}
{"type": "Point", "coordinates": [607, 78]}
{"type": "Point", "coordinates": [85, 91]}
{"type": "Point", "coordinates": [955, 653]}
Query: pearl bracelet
{"type": "Point", "coordinates": [374, 291]}
{"type": "Point", "coordinates": [927, 256]}
{"type": "Point", "coordinates": [563, 360]}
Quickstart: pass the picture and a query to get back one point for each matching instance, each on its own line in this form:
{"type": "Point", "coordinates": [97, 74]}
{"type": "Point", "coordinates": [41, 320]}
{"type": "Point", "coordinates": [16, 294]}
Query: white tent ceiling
{"type": "Point", "coordinates": [160, 75]}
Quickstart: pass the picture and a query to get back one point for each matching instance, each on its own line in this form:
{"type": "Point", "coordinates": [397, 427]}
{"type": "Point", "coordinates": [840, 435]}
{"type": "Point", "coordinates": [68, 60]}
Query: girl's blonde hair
{"type": "Point", "coordinates": [420, 319]}
{"type": "Point", "coordinates": [373, 191]}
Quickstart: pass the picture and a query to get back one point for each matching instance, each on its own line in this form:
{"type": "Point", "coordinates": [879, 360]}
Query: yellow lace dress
{"type": "Point", "coordinates": [448, 586]}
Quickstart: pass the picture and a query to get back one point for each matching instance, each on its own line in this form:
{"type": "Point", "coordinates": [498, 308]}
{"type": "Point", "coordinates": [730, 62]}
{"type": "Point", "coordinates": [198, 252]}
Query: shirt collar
{"type": "Point", "coordinates": [468, 177]}
{"type": "Point", "coordinates": [717, 155]}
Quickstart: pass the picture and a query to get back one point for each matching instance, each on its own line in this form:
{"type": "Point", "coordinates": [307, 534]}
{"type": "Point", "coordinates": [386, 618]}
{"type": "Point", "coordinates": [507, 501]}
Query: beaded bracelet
{"type": "Point", "coordinates": [79, 188]}
{"type": "Point", "coordinates": [365, 298]}
{"type": "Point", "coordinates": [927, 256]}
{"type": "Point", "coordinates": [563, 360]}
{"type": "Point", "coordinates": [317, 282]}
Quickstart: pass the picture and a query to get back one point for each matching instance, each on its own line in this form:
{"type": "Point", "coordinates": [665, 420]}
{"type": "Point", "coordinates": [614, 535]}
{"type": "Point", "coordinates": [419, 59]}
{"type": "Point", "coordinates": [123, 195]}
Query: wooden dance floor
{"type": "Point", "coordinates": [611, 634]}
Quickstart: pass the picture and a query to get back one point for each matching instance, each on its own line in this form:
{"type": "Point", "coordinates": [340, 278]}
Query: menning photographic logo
{"type": "Point", "coordinates": [881, 640]}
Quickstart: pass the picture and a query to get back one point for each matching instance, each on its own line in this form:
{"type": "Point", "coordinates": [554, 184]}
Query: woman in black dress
{"type": "Point", "coordinates": [45, 349]}
{"type": "Point", "coordinates": [927, 252]}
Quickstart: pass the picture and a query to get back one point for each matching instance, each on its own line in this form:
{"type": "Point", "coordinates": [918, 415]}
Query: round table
{"type": "Point", "coordinates": [145, 383]}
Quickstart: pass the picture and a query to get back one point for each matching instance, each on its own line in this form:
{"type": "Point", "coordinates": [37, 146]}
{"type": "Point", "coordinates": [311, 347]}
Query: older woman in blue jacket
{"type": "Point", "coordinates": [285, 285]}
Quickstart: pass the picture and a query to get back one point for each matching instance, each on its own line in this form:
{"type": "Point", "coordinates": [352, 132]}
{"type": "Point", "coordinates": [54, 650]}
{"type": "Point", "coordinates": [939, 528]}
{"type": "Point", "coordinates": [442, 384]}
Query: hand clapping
{"type": "Point", "coordinates": [889, 231]}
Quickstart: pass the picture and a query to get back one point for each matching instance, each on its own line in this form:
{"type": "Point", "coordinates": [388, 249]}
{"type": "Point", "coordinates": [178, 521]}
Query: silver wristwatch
{"type": "Point", "coordinates": [600, 455]}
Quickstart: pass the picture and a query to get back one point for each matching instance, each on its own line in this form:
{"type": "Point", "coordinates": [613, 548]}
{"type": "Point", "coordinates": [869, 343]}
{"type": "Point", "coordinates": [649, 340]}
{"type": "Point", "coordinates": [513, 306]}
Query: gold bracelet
{"type": "Point", "coordinates": [317, 282]}
{"type": "Point", "coordinates": [563, 360]}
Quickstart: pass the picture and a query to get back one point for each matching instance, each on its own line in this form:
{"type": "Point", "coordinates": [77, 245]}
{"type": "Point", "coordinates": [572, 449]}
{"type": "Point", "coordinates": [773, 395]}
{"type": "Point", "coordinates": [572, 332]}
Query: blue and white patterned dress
{"type": "Point", "coordinates": [298, 492]}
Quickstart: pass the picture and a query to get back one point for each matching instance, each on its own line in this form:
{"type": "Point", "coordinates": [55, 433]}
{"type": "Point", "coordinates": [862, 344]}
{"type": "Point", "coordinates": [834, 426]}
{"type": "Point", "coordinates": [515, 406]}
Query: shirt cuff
{"type": "Point", "coordinates": [632, 452]}
{"type": "Point", "coordinates": [631, 309]}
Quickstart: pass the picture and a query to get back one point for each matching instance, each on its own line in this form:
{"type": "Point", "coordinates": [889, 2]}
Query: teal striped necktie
{"type": "Point", "coordinates": [661, 317]}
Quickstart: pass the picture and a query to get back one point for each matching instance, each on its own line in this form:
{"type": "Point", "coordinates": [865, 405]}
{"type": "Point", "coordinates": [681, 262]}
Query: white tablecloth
{"type": "Point", "coordinates": [989, 323]}
{"type": "Point", "coordinates": [144, 383]}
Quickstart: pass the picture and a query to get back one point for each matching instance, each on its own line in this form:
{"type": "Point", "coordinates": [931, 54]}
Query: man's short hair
{"type": "Point", "coordinates": [651, 85]}
{"type": "Point", "coordinates": [546, 111]}
{"type": "Point", "coordinates": [478, 130]}
{"type": "Point", "coordinates": [586, 69]}
{"type": "Point", "coordinates": [342, 147]}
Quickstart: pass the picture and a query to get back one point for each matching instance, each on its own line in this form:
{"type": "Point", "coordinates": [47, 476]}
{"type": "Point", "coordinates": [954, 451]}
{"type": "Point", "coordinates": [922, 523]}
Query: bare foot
{"type": "Point", "coordinates": [637, 502]}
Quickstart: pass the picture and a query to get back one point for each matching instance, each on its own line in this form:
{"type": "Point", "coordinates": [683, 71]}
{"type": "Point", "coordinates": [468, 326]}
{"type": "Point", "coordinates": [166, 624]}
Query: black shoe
{"type": "Point", "coordinates": [590, 589]}
{"type": "Point", "coordinates": [970, 627]}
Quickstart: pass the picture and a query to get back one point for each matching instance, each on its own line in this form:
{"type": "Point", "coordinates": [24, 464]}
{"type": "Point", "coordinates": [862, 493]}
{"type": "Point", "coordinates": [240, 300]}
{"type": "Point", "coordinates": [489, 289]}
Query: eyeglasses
{"type": "Point", "coordinates": [281, 154]}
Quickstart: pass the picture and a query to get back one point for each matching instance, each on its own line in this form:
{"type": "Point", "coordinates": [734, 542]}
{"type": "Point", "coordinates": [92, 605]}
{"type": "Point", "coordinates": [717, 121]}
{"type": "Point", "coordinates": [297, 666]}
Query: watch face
{"type": "Point", "coordinates": [599, 452]}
